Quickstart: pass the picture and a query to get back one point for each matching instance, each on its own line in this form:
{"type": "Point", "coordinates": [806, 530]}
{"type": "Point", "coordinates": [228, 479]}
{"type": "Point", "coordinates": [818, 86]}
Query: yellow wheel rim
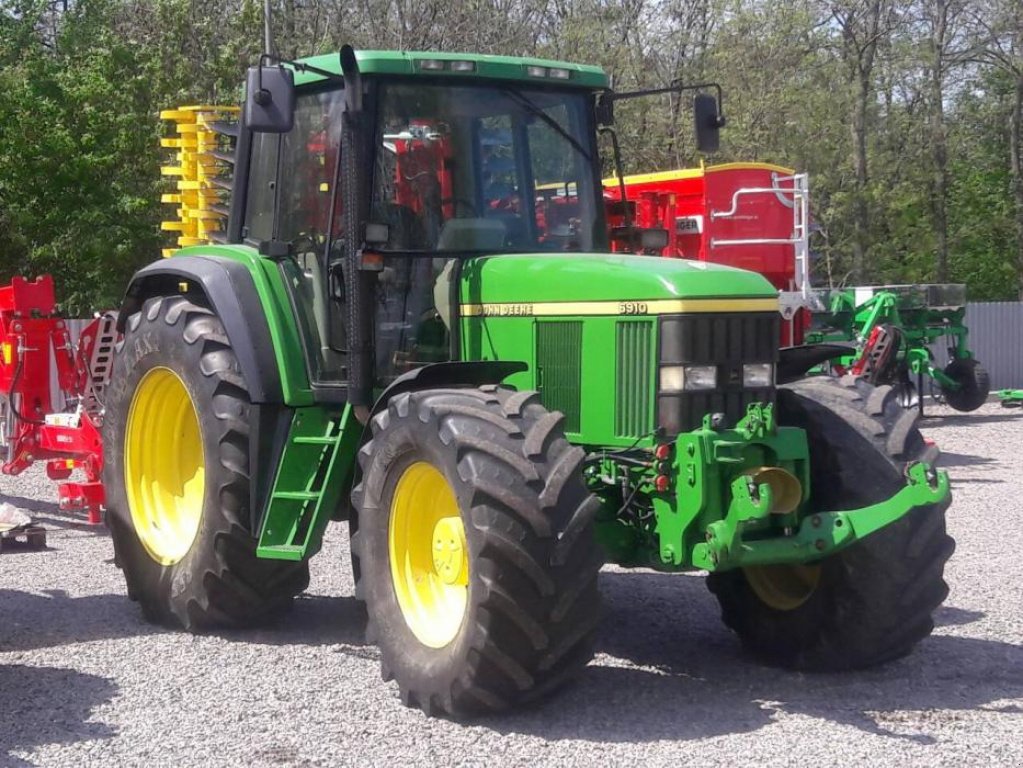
{"type": "Point", "coordinates": [164, 467]}
{"type": "Point", "coordinates": [429, 556]}
{"type": "Point", "coordinates": [783, 587]}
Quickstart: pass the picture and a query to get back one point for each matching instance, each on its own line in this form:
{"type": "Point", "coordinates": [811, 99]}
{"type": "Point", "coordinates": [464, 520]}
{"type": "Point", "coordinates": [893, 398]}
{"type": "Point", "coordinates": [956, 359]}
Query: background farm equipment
{"type": "Point", "coordinates": [894, 328]}
{"type": "Point", "coordinates": [753, 216]}
{"type": "Point", "coordinates": [51, 392]}
{"type": "Point", "coordinates": [1011, 398]}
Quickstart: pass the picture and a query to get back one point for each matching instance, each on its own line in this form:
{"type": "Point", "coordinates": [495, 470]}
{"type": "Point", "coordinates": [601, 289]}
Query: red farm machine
{"type": "Point", "coordinates": [51, 392]}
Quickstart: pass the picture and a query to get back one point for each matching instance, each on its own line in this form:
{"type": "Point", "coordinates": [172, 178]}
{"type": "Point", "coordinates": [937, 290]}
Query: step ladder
{"type": "Point", "coordinates": [311, 480]}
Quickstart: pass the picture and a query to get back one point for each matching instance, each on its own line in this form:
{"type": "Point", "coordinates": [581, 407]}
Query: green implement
{"type": "Point", "coordinates": [894, 328]}
{"type": "Point", "coordinates": [1011, 398]}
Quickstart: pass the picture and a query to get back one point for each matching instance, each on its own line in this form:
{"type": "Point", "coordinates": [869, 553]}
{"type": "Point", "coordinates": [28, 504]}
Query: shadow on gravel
{"type": "Point", "coordinates": [950, 616]}
{"type": "Point", "coordinates": [48, 705]}
{"type": "Point", "coordinates": [29, 621]}
{"type": "Point", "coordinates": [949, 459]}
{"type": "Point", "coordinates": [672, 671]}
{"type": "Point", "coordinates": [315, 620]}
{"type": "Point", "coordinates": [45, 513]}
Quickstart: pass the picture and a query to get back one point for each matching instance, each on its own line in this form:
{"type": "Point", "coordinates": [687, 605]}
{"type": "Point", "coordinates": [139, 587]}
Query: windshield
{"type": "Point", "coordinates": [463, 168]}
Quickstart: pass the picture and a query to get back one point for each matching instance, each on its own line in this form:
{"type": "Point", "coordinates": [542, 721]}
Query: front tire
{"type": "Point", "coordinates": [176, 473]}
{"type": "Point", "coordinates": [475, 550]}
{"type": "Point", "coordinates": [866, 604]}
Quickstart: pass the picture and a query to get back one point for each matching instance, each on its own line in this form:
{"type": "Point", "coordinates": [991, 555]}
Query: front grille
{"type": "Point", "coordinates": [726, 341]}
{"type": "Point", "coordinates": [634, 371]}
{"type": "Point", "coordinates": [559, 350]}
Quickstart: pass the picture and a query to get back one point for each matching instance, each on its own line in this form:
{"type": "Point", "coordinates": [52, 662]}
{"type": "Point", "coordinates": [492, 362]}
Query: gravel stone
{"type": "Point", "coordinates": [85, 681]}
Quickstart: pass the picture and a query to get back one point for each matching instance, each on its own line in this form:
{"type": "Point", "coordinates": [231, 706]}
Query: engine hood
{"type": "Point", "coordinates": [602, 283]}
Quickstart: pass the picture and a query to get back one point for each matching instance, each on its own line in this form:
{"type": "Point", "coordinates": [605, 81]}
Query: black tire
{"type": "Point", "coordinates": [874, 601]}
{"type": "Point", "coordinates": [219, 582]}
{"type": "Point", "coordinates": [532, 603]}
{"type": "Point", "coordinates": [974, 384]}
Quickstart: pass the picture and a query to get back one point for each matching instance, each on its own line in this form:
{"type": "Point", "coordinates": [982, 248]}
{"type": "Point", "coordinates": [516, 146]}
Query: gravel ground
{"type": "Point", "coordinates": [84, 681]}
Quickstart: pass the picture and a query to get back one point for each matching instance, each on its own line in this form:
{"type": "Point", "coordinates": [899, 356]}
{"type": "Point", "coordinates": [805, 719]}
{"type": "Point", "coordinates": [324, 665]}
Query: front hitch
{"type": "Point", "coordinates": [820, 534]}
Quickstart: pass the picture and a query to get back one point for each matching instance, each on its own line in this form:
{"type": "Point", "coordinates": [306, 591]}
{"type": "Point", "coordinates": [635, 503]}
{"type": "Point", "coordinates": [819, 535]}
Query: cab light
{"type": "Point", "coordinates": [534, 71]}
{"type": "Point", "coordinates": [431, 64]}
{"type": "Point", "coordinates": [559, 74]}
{"type": "Point", "coordinates": [463, 66]}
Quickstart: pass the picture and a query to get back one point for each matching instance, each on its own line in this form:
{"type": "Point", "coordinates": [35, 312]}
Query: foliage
{"type": "Point", "coordinates": [843, 89]}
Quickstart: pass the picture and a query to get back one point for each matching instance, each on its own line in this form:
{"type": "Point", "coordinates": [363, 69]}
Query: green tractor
{"type": "Point", "coordinates": [416, 325]}
{"type": "Point", "coordinates": [893, 328]}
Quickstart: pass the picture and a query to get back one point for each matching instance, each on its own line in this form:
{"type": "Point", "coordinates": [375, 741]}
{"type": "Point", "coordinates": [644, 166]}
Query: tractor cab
{"type": "Point", "coordinates": [435, 158]}
{"type": "Point", "coordinates": [406, 165]}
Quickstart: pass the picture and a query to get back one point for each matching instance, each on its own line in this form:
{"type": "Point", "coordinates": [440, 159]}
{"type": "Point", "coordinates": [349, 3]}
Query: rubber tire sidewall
{"type": "Point", "coordinates": [167, 593]}
{"type": "Point", "coordinates": [413, 661]}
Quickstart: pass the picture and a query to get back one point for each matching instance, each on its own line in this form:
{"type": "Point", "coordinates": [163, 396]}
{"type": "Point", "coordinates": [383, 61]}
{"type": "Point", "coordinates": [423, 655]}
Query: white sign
{"type": "Point", "coordinates": [689, 225]}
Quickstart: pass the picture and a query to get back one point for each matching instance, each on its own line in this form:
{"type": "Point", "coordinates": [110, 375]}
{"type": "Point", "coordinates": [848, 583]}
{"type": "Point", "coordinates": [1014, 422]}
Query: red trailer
{"type": "Point", "coordinates": [749, 215]}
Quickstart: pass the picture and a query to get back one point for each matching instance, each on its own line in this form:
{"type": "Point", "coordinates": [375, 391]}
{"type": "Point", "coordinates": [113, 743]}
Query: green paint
{"type": "Point", "coordinates": [561, 277]}
{"type": "Point", "coordinates": [715, 517]}
{"type": "Point", "coordinates": [709, 465]}
{"type": "Point", "coordinates": [819, 535]}
{"type": "Point", "coordinates": [1011, 398]}
{"type": "Point", "coordinates": [409, 63]}
{"type": "Point", "coordinates": [312, 477]}
{"type": "Point", "coordinates": [284, 330]}
{"type": "Point", "coordinates": [593, 421]}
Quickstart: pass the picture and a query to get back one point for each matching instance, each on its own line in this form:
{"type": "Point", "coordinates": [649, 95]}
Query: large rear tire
{"type": "Point", "coordinates": [974, 384]}
{"type": "Point", "coordinates": [475, 550]}
{"type": "Point", "coordinates": [869, 603]}
{"type": "Point", "coordinates": [176, 431]}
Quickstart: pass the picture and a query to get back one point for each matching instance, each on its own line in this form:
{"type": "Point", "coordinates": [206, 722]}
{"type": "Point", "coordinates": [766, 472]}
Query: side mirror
{"type": "Point", "coordinates": [604, 111]}
{"type": "Point", "coordinates": [270, 99]}
{"type": "Point", "coordinates": [708, 122]}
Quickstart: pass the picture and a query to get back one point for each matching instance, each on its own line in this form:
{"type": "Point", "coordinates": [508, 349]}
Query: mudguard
{"type": "Point", "coordinates": [794, 362]}
{"type": "Point", "coordinates": [231, 293]}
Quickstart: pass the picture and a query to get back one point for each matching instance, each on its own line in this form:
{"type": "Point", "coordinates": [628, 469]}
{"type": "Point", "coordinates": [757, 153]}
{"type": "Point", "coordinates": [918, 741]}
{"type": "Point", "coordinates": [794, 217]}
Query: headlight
{"type": "Point", "coordinates": [678, 378]}
{"type": "Point", "coordinates": [758, 375]}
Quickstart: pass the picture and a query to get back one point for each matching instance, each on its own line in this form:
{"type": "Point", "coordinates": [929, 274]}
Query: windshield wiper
{"type": "Point", "coordinates": [526, 103]}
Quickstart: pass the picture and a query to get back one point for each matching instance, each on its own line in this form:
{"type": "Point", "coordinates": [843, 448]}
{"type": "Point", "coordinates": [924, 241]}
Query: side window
{"type": "Point", "coordinates": [501, 188]}
{"type": "Point", "coordinates": [308, 159]}
{"type": "Point", "coordinates": [309, 154]}
{"type": "Point", "coordinates": [259, 201]}
{"type": "Point", "coordinates": [555, 172]}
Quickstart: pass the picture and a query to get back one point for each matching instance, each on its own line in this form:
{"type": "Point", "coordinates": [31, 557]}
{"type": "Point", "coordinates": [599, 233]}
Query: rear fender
{"type": "Point", "coordinates": [230, 291]}
{"type": "Point", "coordinates": [794, 362]}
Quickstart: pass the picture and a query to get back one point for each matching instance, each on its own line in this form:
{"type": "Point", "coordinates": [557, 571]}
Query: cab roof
{"type": "Point", "coordinates": [434, 64]}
